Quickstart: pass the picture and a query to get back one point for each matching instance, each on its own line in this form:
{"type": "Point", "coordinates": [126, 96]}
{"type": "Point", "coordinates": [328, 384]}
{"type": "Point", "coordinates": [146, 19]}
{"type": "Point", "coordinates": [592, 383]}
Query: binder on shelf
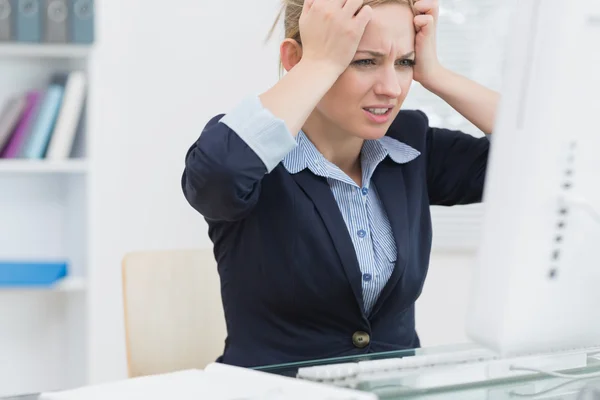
{"type": "Point", "coordinates": [47, 21]}
{"type": "Point", "coordinates": [82, 21]}
{"type": "Point", "coordinates": [56, 21]}
{"type": "Point", "coordinates": [6, 18]}
{"type": "Point", "coordinates": [32, 273]}
{"type": "Point", "coordinates": [28, 21]}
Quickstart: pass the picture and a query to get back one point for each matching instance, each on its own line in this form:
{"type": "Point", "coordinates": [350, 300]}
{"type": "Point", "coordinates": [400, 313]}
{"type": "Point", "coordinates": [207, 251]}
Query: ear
{"type": "Point", "coordinates": [291, 53]}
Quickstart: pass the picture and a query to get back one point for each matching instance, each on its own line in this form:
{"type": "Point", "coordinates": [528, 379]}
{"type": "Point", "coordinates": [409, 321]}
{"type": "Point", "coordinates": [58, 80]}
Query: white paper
{"type": "Point", "coordinates": [216, 382]}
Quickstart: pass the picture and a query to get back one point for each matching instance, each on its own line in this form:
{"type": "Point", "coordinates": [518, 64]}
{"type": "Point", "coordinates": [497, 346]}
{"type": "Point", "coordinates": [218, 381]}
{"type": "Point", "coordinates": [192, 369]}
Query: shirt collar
{"type": "Point", "coordinates": [306, 155]}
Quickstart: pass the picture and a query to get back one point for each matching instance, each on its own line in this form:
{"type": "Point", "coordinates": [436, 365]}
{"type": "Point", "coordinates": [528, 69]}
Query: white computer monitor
{"type": "Point", "coordinates": [536, 283]}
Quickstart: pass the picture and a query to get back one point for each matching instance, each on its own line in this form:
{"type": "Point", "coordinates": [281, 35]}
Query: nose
{"type": "Point", "coordinates": [388, 83]}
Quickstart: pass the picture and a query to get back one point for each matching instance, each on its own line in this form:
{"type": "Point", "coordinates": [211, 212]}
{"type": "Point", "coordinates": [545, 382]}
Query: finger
{"type": "Point", "coordinates": [327, 4]}
{"type": "Point", "coordinates": [352, 7]}
{"type": "Point", "coordinates": [364, 17]}
{"type": "Point", "coordinates": [307, 5]}
{"type": "Point", "coordinates": [425, 7]}
{"type": "Point", "coordinates": [424, 23]}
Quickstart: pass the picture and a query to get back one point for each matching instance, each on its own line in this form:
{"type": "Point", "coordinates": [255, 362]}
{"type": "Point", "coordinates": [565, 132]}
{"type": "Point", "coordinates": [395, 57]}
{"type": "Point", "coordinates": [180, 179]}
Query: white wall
{"type": "Point", "coordinates": [161, 70]}
{"type": "Point", "coordinates": [441, 309]}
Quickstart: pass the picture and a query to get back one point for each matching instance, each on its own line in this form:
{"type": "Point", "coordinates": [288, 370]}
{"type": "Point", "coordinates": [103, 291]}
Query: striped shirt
{"type": "Point", "coordinates": [361, 208]}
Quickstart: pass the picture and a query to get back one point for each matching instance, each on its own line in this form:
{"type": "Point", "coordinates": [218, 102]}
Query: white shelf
{"type": "Point", "coordinates": [69, 284]}
{"type": "Point", "coordinates": [24, 166]}
{"type": "Point", "coordinates": [68, 51]}
{"type": "Point", "coordinates": [45, 215]}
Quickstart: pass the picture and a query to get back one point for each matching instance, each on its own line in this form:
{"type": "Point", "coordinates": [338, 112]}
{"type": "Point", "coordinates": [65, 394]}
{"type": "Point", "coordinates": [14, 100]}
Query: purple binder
{"type": "Point", "coordinates": [19, 136]}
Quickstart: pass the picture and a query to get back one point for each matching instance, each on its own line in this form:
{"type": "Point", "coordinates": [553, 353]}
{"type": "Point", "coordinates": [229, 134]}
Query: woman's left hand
{"type": "Point", "coordinates": [427, 65]}
{"type": "Point", "coordinates": [473, 101]}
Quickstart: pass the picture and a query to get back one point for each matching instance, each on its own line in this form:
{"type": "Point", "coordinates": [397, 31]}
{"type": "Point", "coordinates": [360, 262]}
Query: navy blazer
{"type": "Point", "coordinates": [290, 279]}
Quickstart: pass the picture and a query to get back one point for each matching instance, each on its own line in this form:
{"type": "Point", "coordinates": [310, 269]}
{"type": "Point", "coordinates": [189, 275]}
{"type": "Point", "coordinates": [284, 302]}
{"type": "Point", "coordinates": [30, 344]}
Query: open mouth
{"type": "Point", "coordinates": [378, 115]}
{"type": "Point", "coordinates": [378, 111]}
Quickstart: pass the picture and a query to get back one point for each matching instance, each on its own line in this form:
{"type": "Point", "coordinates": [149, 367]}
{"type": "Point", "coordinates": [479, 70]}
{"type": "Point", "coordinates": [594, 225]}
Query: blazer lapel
{"type": "Point", "coordinates": [389, 181]}
{"type": "Point", "coordinates": [320, 193]}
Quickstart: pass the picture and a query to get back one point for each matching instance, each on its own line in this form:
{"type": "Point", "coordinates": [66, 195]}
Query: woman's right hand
{"type": "Point", "coordinates": [330, 31]}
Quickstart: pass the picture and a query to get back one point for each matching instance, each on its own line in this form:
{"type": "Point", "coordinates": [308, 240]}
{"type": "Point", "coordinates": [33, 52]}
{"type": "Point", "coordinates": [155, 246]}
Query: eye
{"type": "Point", "coordinates": [406, 63]}
{"type": "Point", "coordinates": [365, 62]}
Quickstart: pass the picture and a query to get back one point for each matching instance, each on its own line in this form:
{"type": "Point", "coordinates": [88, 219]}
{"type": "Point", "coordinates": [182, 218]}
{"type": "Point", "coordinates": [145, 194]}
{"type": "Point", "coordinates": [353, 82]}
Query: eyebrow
{"type": "Point", "coordinates": [378, 54]}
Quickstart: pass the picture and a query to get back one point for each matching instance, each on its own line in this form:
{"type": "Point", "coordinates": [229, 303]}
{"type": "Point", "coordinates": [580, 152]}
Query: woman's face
{"type": "Point", "coordinates": [379, 76]}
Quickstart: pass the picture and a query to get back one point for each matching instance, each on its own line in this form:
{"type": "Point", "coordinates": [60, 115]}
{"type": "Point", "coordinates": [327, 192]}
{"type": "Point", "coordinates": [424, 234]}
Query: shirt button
{"type": "Point", "coordinates": [361, 233]}
{"type": "Point", "coordinates": [367, 277]}
{"type": "Point", "coordinates": [365, 191]}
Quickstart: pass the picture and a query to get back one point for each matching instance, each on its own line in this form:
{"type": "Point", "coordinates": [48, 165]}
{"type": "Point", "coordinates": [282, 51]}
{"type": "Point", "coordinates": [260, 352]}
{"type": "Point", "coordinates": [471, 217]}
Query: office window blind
{"type": "Point", "coordinates": [471, 41]}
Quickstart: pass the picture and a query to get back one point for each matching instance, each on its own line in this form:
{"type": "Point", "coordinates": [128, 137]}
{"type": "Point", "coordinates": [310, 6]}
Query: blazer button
{"type": "Point", "coordinates": [361, 339]}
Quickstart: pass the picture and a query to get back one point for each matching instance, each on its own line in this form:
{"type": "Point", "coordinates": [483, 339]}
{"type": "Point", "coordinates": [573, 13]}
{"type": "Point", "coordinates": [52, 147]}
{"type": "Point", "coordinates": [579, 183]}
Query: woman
{"type": "Point", "coordinates": [317, 192]}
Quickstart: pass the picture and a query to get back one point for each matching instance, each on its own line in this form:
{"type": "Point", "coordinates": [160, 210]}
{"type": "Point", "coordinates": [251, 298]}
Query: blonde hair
{"type": "Point", "coordinates": [292, 10]}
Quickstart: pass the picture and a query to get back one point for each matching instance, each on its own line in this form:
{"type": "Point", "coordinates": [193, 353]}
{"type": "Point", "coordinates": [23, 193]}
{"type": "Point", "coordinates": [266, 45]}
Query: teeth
{"type": "Point", "coordinates": [378, 111]}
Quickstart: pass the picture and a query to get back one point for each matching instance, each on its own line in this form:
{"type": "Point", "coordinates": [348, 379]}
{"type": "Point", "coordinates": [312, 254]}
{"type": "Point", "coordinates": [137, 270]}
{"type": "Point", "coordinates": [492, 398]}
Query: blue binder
{"type": "Point", "coordinates": [28, 20]}
{"type": "Point", "coordinates": [31, 273]}
{"type": "Point", "coordinates": [81, 21]}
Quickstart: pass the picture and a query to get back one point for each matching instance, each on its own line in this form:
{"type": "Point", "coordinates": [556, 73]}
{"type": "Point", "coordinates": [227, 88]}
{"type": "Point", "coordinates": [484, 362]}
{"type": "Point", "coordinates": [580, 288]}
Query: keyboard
{"type": "Point", "coordinates": [246, 384]}
{"type": "Point", "coordinates": [429, 371]}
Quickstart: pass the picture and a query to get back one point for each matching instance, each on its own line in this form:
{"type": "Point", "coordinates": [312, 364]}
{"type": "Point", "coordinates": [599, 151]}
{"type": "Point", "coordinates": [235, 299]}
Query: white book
{"type": "Point", "coordinates": [67, 122]}
{"type": "Point", "coordinates": [216, 382]}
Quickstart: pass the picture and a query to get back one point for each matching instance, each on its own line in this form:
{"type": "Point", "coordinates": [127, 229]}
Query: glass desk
{"type": "Point", "coordinates": [529, 387]}
{"type": "Point", "coordinates": [536, 386]}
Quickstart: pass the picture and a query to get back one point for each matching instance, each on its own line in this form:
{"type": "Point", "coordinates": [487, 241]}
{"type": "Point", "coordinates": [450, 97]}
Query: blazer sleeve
{"type": "Point", "coordinates": [225, 166]}
{"type": "Point", "coordinates": [456, 166]}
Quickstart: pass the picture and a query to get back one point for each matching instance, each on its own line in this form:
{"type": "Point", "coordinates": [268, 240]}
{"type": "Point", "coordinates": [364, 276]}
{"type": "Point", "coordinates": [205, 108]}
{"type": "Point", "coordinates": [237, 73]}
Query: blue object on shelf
{"type": "Point", "coordinates": [31, 273]}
